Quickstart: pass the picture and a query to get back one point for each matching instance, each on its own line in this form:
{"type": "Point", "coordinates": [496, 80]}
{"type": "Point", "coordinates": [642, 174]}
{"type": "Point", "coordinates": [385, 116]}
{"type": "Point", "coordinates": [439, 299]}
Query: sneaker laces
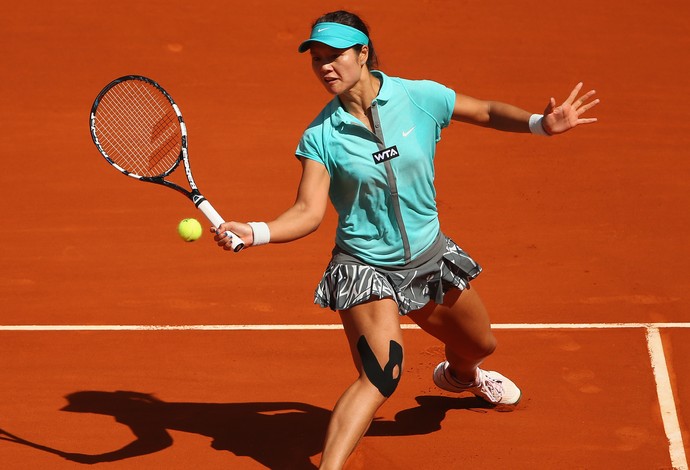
{"type": "Point", "coordinates": [491, 387]}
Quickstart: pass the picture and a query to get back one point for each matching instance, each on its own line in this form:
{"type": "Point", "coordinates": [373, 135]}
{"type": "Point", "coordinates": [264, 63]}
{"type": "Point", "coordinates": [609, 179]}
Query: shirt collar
{"type": "Point", "coordinates": [385, 91]}
{"type": "Point", "coordinates": [341, 116]}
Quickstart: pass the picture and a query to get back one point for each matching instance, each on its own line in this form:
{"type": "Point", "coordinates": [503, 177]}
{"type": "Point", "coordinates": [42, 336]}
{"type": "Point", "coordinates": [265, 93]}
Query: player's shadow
{"type": "Point", "coordinates": [279, 435]}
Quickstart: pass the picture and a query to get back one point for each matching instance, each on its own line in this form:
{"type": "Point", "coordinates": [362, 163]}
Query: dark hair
{"type": "Point", "coordinates": [350, 19]}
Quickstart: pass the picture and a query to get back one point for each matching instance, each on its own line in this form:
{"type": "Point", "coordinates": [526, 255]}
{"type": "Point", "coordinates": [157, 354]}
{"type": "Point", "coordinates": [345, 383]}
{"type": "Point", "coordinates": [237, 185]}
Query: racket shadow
{"type": "Point", "coordinates": [278, 435]}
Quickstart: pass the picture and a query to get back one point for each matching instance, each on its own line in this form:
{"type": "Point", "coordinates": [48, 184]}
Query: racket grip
{"type": "Point", "coordinates": [214, 217]}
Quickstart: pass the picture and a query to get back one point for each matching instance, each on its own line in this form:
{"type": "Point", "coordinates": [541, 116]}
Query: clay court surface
{"type": "Point", "coordinates": [225, 361]}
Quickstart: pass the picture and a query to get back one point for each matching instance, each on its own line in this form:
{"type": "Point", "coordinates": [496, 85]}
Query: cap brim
{"type": "Point", "coordinates": [336, 43]}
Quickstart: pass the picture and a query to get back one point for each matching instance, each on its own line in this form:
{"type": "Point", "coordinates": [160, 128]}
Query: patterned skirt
{"type": "Point", "coordinates": [348, 281]}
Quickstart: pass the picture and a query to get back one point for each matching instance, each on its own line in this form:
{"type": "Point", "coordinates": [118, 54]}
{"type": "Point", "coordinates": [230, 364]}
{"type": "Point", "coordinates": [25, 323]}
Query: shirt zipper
{"type": "Point", "coordinates": [392, 183]}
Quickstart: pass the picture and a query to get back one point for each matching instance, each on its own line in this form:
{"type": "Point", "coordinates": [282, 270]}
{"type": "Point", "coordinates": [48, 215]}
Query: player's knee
{"type": "Point", "coordinates": [488, 346]}
{"type": "Point", "coordinates": [478, 349]}
{"type": "Point", "coordinates": [385, 379]}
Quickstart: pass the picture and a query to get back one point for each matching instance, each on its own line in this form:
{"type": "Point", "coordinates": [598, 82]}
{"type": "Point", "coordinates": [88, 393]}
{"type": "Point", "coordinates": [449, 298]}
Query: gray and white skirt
{"type": "Point", "coordinates": [349, 281]}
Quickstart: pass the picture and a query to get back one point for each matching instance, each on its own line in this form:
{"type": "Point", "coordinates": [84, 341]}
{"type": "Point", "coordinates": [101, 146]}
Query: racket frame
{"type": "Point", "coordinates": [194, 195]}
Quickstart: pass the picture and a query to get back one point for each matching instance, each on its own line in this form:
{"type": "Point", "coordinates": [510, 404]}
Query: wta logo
{"type": "Point", "coordinates": [386, 154]}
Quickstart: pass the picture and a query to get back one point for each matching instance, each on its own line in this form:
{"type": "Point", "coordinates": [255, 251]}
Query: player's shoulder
{"type": "Point", "coordinates": [428, 97]}
{"type": "Point", "coordinates": [315, 138]}
{"type": "Point", "coordinates": [420, 90]}
{"type": "Point", "coordinates": [420, 86]}
{"type": "Point", "coordinates": [325, 117]}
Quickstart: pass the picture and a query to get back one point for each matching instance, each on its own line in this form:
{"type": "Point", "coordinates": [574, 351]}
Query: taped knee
{"type": "Point", "coordinates": [385, 380]}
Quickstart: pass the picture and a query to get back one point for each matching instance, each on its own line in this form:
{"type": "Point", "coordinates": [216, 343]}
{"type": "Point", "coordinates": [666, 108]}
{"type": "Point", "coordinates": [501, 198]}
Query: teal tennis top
{"type": "Point", "coordinates": [374, 223]}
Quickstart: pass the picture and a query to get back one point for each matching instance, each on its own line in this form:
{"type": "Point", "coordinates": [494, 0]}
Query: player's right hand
{"type": "Point", "coordinates": [223, 238]}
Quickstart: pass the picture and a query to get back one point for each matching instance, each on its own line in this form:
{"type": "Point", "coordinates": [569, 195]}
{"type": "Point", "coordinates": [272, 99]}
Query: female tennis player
{"type": "Point", "coordinates": [371, 151]}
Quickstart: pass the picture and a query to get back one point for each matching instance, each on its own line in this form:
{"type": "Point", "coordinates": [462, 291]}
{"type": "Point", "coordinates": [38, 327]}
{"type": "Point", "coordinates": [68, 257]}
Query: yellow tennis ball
{"type": "Point", "coordinates": [189, 229]}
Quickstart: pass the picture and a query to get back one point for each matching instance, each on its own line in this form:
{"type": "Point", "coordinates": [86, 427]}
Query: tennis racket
{"type": "Point", "coordinates": [140, 131]}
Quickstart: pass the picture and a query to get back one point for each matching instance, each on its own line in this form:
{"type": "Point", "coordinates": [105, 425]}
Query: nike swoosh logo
{"type": "Point", "coordinates": [406, 133]}
{"type": "Point", "coordinates": [320, 30]}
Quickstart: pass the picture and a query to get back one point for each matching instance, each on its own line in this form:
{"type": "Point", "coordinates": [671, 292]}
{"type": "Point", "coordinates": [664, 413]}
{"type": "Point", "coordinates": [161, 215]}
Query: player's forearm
{"type": "Point", "coordinates": [491, 114]}
{"type": "Point", "coordinates": [297, 222]}
{"type": "Point", "coordinates": [509, 118]}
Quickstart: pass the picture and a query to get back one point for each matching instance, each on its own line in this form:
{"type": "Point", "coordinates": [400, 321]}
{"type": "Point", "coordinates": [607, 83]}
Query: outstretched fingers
{"type": "Point", "coordinates": [573, 94]}
{"type": "Point", "coordinates": [582, 105]}
{"type": "Point", "coordinates": [569, 115]}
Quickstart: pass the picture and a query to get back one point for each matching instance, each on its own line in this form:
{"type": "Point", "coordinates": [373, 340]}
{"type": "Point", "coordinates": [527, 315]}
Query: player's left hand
{"type": "Point", "coordinates": [559, 119]}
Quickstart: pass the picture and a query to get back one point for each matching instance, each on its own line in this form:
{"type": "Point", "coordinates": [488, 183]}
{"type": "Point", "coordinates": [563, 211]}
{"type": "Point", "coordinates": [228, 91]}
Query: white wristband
{"type": "Point", "coordinates": [536, 125]}
{"type": "Point", "coordinates": [262, 234]}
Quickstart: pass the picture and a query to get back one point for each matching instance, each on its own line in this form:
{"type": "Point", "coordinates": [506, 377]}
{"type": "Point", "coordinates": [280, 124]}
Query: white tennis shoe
{"type": "Point", "coordinates": [490, 386]}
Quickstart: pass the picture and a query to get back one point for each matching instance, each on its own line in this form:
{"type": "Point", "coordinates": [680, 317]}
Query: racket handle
{"type": "Point", "coordinates": [215, 218]}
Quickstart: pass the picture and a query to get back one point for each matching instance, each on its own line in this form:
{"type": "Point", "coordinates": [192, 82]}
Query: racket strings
{"type": "Point", "coordinates": [138, 129]}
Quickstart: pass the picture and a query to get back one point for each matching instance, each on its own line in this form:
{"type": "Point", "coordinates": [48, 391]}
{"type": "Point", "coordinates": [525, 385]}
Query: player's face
{"type": "Point", "coordinates": [337, 69]}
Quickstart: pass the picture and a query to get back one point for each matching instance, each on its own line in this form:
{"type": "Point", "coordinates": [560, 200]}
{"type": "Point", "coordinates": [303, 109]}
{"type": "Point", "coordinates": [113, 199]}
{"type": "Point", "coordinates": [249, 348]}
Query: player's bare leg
{"type": "Point", "coordinates": [375, 339]}
{"type": "Point", "coordinates": [462, 324]}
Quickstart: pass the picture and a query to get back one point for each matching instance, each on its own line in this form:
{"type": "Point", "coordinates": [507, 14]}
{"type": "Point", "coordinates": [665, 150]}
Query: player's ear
{"type": "Point", "coordinates": [363, 55]}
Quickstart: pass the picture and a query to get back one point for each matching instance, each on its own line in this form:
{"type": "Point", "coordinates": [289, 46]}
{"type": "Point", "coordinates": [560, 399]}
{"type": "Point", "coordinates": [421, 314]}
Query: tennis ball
{"type": "Point", "coordinates": [189, 229]}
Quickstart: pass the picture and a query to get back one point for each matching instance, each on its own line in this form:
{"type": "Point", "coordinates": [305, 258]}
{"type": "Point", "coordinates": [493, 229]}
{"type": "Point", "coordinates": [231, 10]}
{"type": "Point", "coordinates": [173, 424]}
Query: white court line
{"type": "Point", "coordinates": [666, 402]}
{"type": "Point", "coordinates": [654, 345]}
{"type": "Point", "coordinates": [287, 327]}
{"type": "Point", "coordinates": [167, 327]}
